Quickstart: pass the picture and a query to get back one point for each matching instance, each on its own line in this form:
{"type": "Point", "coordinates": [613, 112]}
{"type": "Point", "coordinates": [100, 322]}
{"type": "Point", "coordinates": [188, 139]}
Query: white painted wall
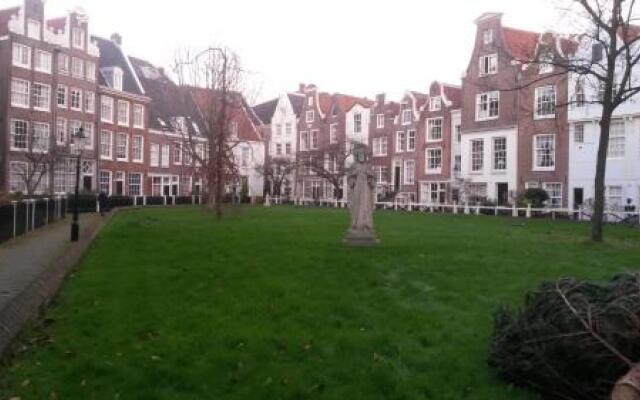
{"type": "Point", "coordinates": [456, 147]}
{"type": "Point", "coordinates": [283, 115]}
{"type": "Point", "coordinates": [488, 175]}
{"type": "Point", "coordinates": [624, 171]}
{"type": "Point", "coordinates": [256, 158]}
{"type": "Point", "coordinates": [363, 135]}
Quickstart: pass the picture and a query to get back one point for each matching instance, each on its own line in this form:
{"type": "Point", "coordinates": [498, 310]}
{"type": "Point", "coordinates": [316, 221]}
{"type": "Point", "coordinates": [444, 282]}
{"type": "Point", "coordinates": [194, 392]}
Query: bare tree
{"type": "Point", "coordinates": [329, 163]}
{"type": "Point", "coordinates": [40, 159]}
{"type": "Point", "coordinates": [599, 58]}
{"type": "Point", "coordinates": [276, 171]}
{"type": "Point", "coordinates": [213, 81]}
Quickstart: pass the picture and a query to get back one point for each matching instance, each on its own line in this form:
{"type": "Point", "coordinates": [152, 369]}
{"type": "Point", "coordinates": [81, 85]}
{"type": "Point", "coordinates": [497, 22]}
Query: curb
{"type": "Point", "coordinates": [35, 298]}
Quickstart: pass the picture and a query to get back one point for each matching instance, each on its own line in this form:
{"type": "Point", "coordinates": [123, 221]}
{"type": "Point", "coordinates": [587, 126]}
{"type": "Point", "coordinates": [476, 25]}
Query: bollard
{"type": "Point", "coordinates": [477, 210]}
{"type": "Point", "coordinates": [97, 205]}
{"type": "Point", "coordinates": [164, 200]}
{"type": "Point", "coordinates": [46, 218]}
{"type": "Point", "coordinates": [466, 208]}
{"type": "Point", "coordinates": [514, 212]}
{"type": "Point", "coordinates": [495, 211]}
{"type": "Point", "coordinates": [529, 210]}
{"type": "Point", "coordinates": [395, 205]}
{"type": "Point", "coordinates": [410, 207]}
{"type": "Point", "coordinates": [144, 200]}
{"type": "Point", "coordinates": [15, 216]}
{"type": "Point", "coordinates": [455, 208]}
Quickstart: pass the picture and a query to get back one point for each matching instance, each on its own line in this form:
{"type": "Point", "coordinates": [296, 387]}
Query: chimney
{"type": "Point", "coordinates": [117, 39]}
{"type": "Point", "coordinates": [301, 87]}
{"type": "Point", "coordinates": [34, 9]}
{"type": "Point", "coordinates": [380, 98]}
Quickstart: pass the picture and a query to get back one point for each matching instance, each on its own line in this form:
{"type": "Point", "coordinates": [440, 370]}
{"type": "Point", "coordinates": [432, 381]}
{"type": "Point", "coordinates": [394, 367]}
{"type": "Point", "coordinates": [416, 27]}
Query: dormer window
{"type": "Point", "coordinates": [407, 114]}
{"type": "Point", "coordinates": [310, 101]}
{"type": "Point", "coordinates": [546, 63]}
{"type": "Point", "coordinates": [487, 36]}
{"type": "Point", "coordinates": [435, 104]}
{"type": "Point", "coordinates": [33, 29]}
{"type": "Point", "coordinates": [78, 38]}
{"type": "Point", "coordinates": [114, 77]}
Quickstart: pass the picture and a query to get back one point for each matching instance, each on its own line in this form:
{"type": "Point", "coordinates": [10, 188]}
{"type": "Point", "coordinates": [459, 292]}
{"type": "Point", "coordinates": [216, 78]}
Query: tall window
{"type": "Point", "coordinates": [154, 155]}
{"type": "Point", "coordinates": [304, 141]}
{"type": "Point", "coordinates": [77, 67]}
{"type": "Point", "coordinates": [434, 161]}
{"type": "Point", "coordinates": [499, 153]}
{"type": "Point", "coordinates": [357, 123]}
{"type": "Point", "coordinates": [123, 113]}
{"type": "Point", "coordinates": [177, 153]}
{"type": "Point", "coordinates": [118, 78]}
{"type": "Point", "coordinates": [309, 116]}
{"type": "Point", "coordinates": [121, 147]}
{"type": "Point", "coordinates": [288, 128]}
{"type": "Point", "coordinates": [546, 101]}
{"type": "Point", "coordinates": [401, 141]}
{"type": "Point", "coordinates": [138, 116]}
{"type": "Point", "coordinates": [616, 140]}
{"type": "Point", "coordinates": [64, 176]}
{"type": "Point", "coordinates": [580, 98]}
{"type": "Point", "coordinates": [409, 172]}
{"type": "Point", "coordinates": [477, 155]}
{"type": "Point", "coordinates": [487, 105]}
{"type": "Point", "coordinates": [106, 144]}
{"type": "Point", "coordinates": [137, 148]}
{"type": "Point", "coordinates": [165, 155]}
{"type": "Point", "coordinates": [90, 71]}
{"type": "Point", "coordinates": [411, 140]}
{"type": "Point", "coordinates": [613, 199]}
{"type": "Point", "coordinates": [545, 154]}
{"type": "Point", "coordinates": [41, 96]}
{"type": "Point", "coordinates": [61, 131]}
{"type": "Point", "coordinates": [315, 140]}
{"type": "Point", "coordinates": [434, 129]}
{"type": "Point", "coordinates": [488, 64]}
{"type": "Point", "coordinates": [380, 121]}
{"type": "Point", "coordinates": [278, 149]}
{"type": "Point", "coordinates": [17, 171]}
{"type": "Point", "coordinates": [106, 109]}
{"type": "Point", "coordinates": [78, 38]}
{"type": "Point", "coordinates": [381, 174]}
{"type": "Point", "coordinates": [487, 36]}
{"type": "Point", "coordinates": [135, 184]}
{"type": "Point", "coordinates": [63, 64]}
{"type": "Point", "coordinates": [20, 93]}
{"type": "Point", "coordinates": [33, 29]}
{"type": "Point", "coordinates": [578, 133]}
{"type": "Point", "coordinates": [105, 182]}
{"type": "Point", "coordinates": [76, 99]}
{"type": "Point", "coordinates": [90, 102]}
{"type": "Point", "coordinates": [40, 137]}
{"type": "Point", "coordinates": [244, 160]}
{"type": "Point", "coordinates": [287, 148]}
{"type": "Point", "coordinates": [19, 134]}
{"type": "Point", "coordinates": [380, 147]}
{"type": "Point", "coordinates": [407, 114]}
{"type": "Point", "coordinates": [61, 96]}
{"type": "Point", "coordinates": [42, 61]}
{"type": "Point", "coordinates": [89, 134]}
{"type": "Point", "coordinates": [21, 55]}
{"type": "Point", "coordinates": [333, 133]}
{"type": "Point", "coordinates": [277, 129]}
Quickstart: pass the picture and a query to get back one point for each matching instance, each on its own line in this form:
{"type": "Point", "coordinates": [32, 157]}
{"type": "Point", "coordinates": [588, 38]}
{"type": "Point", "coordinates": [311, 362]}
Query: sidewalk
{"type": "Point", "coordinates": [33, 267]}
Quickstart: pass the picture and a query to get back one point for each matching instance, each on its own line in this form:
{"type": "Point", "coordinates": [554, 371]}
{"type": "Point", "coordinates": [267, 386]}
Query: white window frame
{"type": "Point", "coordinates": [380, 121]}
{"type": "Point", "coordinates": [537, 151]}
{"type": "Point", "coordinates": [309, 116]}
{"type": "Point", "coordinates": [62, 132]}
{"type": "Point", "coordinates": [78, 38]}
{"type": "Point", "coordinates": [108, 154]}
{"type": "Point", "coordinates": [333, 133]}
{"type": "Point", "coordinates": [165, 153]}
{"type": "Point", "coordinates": [431, 126]}
{"type": "Point", "coordinates": [380, 146]}
{"type": "Point", "coordinates": [154, 155]}
{"type": "Point", "coordinates": [20, 52]}
{"type": "Point", "coordinates": [401, 141]}
{"type": "Point", "coordinates": [578, 132]}
{"type": "Point", "coordinates": [24, 93]}
{"type": "Point", "coordinates": [37, 97]}
{"type": "Point", "coordinates": [545, 102]}
{"type": "Point", "coordinates": [554, 201]}
{"type": "Point", "coordinates": [428, 156]}
{"type": "Point", "coordinates": [79, 92]}
{"type": "Point", "coordinates": [90, 71]}
{"type": "Point", "coordinates": [435, 103]}
{"type": "Point", "coordinates": [34, 29]}
{"type": "Point", "coordinates": [90, 102]}
{"type": "Point", "coordinates": [66, 96]}
{"type": "Point", "coordinates": [489, 99]}
{"type": "Point", "coordinates": [476, 156]}
{"type": "Point", "coordinates": [123, 117]}
{"type": "Point", "coordinates": [409, 178]}
{"type": "Point", "coordinates": [118, 137]}
{"type": "Point", "coordinates": [39, 57]}
{"type": "Point", "coordinates": [109, 102]}
{"type": "Point", "coordinates": [617, 139]}
{"type": "Point", "coordinates": [496, 152]}
{"type": "Point", "coordinates": [412, 136]}
{"type": "Point", "coordinates": [488, 64]}
{"type": "Point", "coordinates": [357, 123]}
{"type": "Point", "coordinates": [77, 67]}
{"type": "Point", "coordinates": [101, 174]}
{"type": "Point", "coordinates": [135, 149]}
{"type": "Point", "coordinates": [15, 134]}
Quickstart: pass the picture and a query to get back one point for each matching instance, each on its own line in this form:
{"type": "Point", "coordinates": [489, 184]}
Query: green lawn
{"type": "Point", "coordinates": [269, 304]}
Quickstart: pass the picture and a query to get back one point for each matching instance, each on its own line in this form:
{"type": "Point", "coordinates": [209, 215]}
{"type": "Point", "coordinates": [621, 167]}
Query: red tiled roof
{"type": "Point", "coordinates": [324, 101]}
{"type": "Point", "coordinates": [453, 93]}
{"type": "Point", "coordinates": [346, 102]}
{"type": "Point", "coordinates": [5, 17]}
{"type": "Point", "coordinates": [57, 24]}
{"type": "Point", "coordinates": [521, 44]}
{"type": "Point", "coordinates": [239, 112]}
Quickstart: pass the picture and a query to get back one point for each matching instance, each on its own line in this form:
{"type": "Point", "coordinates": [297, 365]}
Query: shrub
{"type": "Point", "coordinates": [536, 197]}
{"type": "Point", "coordinates": [572, 339]}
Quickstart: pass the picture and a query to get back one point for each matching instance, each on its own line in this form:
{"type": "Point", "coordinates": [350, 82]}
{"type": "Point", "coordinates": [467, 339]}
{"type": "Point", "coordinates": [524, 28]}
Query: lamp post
{"type": "Point", "coordinates": [77, 142]}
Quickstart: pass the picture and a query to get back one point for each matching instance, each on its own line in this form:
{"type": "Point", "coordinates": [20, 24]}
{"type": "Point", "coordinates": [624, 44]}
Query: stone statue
{"type": "Point", "coordinates": [361, 200]}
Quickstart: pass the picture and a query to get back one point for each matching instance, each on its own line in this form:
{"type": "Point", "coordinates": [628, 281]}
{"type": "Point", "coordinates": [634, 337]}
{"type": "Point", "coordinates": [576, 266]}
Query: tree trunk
{"type": "Point", "coordinates": [597, 220]}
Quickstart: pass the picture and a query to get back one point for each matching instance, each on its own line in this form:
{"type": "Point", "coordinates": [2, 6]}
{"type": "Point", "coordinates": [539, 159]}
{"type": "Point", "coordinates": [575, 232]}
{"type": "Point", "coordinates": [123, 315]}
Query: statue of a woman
{"type": "Point", "coordinates": [361, 200]}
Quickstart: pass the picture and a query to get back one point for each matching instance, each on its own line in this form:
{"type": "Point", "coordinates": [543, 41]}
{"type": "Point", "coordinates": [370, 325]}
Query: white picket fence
{"type": "Point", "coordinates": [580, 214]}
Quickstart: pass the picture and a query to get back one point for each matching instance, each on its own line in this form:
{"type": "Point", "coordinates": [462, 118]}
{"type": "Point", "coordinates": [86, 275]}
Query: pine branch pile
{"type": "Point", "coordinates": [572, 340]}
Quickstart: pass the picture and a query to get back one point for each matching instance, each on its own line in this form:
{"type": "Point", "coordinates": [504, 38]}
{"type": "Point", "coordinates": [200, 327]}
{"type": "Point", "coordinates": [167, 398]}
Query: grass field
{"type": "Point", "coordinates": [268, 304]}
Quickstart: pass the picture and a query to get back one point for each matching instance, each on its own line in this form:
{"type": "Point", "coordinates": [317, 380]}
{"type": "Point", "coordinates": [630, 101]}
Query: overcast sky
{"type": "Point", "coordinates": [359, 47]}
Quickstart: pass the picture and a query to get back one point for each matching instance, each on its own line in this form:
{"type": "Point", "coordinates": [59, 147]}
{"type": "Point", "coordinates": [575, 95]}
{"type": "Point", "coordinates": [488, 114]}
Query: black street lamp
{"type": "Point", "coordinates": [77, 143]}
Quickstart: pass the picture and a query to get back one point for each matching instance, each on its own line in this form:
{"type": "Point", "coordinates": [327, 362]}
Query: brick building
{"type": "Point", "coordinates": [48, 73]}
{"type": "Point", "coordinates": [381, 135]}
{"type": "Point", "coordinates": [122, 132]}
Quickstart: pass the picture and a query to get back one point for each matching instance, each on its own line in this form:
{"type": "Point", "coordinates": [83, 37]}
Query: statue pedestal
{"type": "Point", "coordinates": [363, 238]}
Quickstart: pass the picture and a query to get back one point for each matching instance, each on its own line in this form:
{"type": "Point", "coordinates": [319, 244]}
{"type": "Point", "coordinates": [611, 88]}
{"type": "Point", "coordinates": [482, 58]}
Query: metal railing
{"type": "Point", "coordinates": [23, 216]}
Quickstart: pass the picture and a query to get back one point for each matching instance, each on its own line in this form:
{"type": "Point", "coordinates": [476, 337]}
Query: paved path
{"type": "Point", "coordinates": [33, 267]}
